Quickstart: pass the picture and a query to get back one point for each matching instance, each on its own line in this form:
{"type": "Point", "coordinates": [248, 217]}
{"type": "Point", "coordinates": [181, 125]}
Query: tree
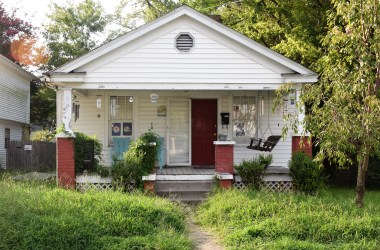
{"type": "Point", "coordinates": [73, 30]}
{"type": "Point", "coordinates": [292, 28]}
{"type": "Point", "coordinates": [129, 14]}
{"type": "Point", "coordinates": [12, 29]}
{"type": "Point", "coordinates": [344, 107]}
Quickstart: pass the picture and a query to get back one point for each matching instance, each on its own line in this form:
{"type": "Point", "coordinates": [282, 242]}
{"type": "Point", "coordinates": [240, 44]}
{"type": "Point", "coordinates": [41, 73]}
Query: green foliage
{"type": "Point", "coordinates": [42, 135]}
{"type": "Point", "coordinates": [139, 160]}
{"type": "Point", "coordinates": [307, 177]}
{"type": "Point", "coordinates": [252, 171]}
{"type": "Point", "coordinates": [72, 29]}
{"type": "Point", "coordinates": [130, 169]}
{"type": "Point", "coordinates": [103, 171]}
{"type": "Point", "coordinates": [42, 105]}
{"type": "Point", "coordinates": [34, 216]}
{"type": "Point", "coordinates": [264, 220]}
{"type": "Point", "coordinates": [88, 152]}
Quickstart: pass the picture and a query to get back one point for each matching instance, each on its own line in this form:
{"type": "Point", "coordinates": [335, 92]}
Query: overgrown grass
{"type": "Point", "coordinates": [39, 216]}
{"type": "Point", "coordinates": [263, 220]}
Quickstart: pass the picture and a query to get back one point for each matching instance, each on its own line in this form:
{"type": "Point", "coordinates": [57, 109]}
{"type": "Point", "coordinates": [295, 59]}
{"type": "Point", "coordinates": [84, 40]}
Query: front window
{"type": "Point", "coordinates": [121, 117]}
{"type": "Point", "coordinates": [7, 137]}
{"type": "Point", "coordinates": [244, 118]}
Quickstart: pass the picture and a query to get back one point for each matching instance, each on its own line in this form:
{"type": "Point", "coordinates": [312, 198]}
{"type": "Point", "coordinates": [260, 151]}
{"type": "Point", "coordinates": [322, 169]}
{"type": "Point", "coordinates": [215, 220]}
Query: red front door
{"type": "Point", "coordinates": [203, 131]}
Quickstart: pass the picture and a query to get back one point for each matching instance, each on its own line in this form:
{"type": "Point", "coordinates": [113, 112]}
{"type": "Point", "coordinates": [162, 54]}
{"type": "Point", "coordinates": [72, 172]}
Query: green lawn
{"type": "Point", "coordinates": [35, 215]}
{"type": "Point", "coordinates": [40, 216]}
{"type": "Point", "coordinates": [263, 220]}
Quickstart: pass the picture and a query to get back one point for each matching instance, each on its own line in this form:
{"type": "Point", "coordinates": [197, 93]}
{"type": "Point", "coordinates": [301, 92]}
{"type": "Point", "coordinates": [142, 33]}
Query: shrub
{"type": "Point", "coordinates": [42, 135]}
{"type": "Point", "coordinates": [306, 175]}
{"type": "Point", "coordinates": [252, 171]}
{"type": "Point", "coordinates": [103, 171]}
{"type": "Point", "coordinates": [88, 152]}
{"type": "Point", "coordinates": [373, 173]}
{"type": "Point", "coordinates": [139, 160]}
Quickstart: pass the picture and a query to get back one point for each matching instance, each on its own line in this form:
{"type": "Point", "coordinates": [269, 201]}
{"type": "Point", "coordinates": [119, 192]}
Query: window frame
{"type": "Point", "coordinates": [7, 137]}
{"type": "Point", "coordinates": [127, 119]}
{"type": "Point", "coordinates": [236, 120]}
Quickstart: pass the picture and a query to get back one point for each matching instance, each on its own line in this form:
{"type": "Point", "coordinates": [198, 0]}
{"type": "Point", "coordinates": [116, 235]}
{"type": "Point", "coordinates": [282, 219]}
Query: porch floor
{"type": "Point", "coordinates": [186, 170]}
{"type": "Point", "coordinates": [196, 170]}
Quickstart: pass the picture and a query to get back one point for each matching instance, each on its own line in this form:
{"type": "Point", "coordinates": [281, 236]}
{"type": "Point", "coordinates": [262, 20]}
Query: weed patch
{"type": "Point", "coordinates": [264, 220]}
{"type": "Point", "coordinates": [35, 216]}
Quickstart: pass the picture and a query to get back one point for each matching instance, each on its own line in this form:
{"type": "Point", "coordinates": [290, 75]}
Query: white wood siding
{"type": "Point", "coordinates": [14, 96]}
{"type": "Point", "coordinates": [15, 134]}
{"type": "Point", "coordinates": [89, 122]}
{"type": "Point", "coordinates": [148, 115]}
{"type": "Point", "coordinates": [160, 62]}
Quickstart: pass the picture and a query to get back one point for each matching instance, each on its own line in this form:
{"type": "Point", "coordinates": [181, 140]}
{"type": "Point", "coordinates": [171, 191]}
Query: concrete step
{"type": "Point", "coordinates": [186, 191]}
{"type": "Point", "coordinates": [185, 196]}
{"type": "Point", "coordinates": [177, 186]}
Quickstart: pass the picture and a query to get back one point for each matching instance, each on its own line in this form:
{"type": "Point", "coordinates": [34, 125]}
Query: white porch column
{"type": "Point", "coordinates": [301, 112]}
{"type": "Point", "coordinates": [67, 109]}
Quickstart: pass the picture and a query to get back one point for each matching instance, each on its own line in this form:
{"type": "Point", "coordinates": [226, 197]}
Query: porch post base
{"type": "Point", "coordinates": [149, 182]}
{"type": "Point", "coordinates": [225, 180]}
{"type": "Point", "coordinates": [65, 162]}
{"type": "Point", "coordinates": [224, 156]}
{"type": "Point", "coordinates": [297, 147]}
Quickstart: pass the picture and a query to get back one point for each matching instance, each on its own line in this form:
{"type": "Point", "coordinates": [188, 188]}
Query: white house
{"type": "Point", "coordinates": [14, 104]}
{"type": "Point", "coordinates": [188, 76]}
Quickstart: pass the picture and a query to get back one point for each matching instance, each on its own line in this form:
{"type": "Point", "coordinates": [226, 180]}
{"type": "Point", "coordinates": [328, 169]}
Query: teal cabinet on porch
{"type": "Point", "coordinates": [120, 145]}
{"type": "Point", "coordinates": [161, 155]}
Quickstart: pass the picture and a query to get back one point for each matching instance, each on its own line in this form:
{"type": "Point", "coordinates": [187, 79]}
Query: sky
{"type": "Point", "coordinates": [35, 11]}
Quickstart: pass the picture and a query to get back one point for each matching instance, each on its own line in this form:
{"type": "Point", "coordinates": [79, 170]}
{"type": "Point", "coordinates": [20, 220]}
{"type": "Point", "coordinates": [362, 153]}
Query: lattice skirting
{"type": "Point", "coordinates": [86, 186]}
{"type": "Point", "coordinates": [274, 186]}
{"type": "Point", "coordinates": [95, 182]}
{"type": "Point", "coordinates": [83, 187]}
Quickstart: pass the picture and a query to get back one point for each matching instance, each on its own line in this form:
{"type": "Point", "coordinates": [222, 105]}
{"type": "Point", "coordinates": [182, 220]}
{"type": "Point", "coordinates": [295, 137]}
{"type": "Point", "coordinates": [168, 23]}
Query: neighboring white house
{"type": "Point", "coordinates": [14, 103]}
{"type": "Point", "coordinates": [188, 76]}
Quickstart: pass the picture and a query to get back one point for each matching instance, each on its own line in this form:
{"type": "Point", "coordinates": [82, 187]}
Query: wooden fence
{"type": "Point", "coordinates": [31, 156]}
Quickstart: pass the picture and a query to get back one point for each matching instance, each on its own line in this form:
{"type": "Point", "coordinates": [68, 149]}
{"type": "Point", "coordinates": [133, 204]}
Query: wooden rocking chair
{"type": "Point", "coordinates": [264, 145]}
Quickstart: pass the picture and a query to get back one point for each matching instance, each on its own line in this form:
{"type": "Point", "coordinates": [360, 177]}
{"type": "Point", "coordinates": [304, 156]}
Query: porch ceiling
{"type": "Point", "coordinates": [183, 86]}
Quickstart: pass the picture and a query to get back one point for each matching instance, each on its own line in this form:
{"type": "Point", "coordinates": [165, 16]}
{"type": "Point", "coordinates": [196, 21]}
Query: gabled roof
{"type": "Point", "coordinates": [205, 20]}
{"type": "Point", "coordinates": [16, 68]}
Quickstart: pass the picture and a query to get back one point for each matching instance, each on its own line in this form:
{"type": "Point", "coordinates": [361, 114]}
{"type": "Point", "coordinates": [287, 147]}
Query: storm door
{"type": "Point", "coordinates": [179, 132]}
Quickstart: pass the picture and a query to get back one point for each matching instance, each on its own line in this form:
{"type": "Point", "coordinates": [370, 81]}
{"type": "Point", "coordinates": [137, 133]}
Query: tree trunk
{"type": "Point", "coordinates": [360, 182]}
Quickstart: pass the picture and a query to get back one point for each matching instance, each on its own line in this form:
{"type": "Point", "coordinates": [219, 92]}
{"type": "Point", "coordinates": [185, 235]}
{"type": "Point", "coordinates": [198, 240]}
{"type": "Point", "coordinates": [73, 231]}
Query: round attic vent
{"type": "Point", "coordinates": [184, 42]}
